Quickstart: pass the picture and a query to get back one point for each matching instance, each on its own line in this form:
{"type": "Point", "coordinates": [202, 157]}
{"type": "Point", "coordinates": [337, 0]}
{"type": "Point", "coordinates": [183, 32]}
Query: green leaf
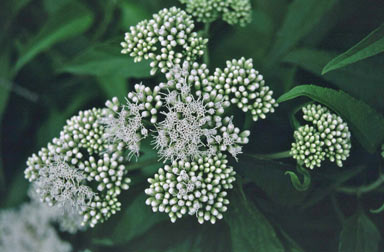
{"type": "Point", "coordinates": [132, 13]}
{"type": "Point", "coordinates": [335, 180]}
{"type": "Point", "coordinates": [113, 85]}
{"type": "Point", "coordinates": [359, 234]}
{"type": "Point", "coordinates": [106, 60]}
{"type": "Point", "coordinates": [350, 78]}
{"type": "Point", "coordinates": [300, 186]}
{"type": "Point", "coordinates": [269, 176]}
{"type": "Point", "coordinates": [366, 124]}
{"type": "Point", "coordinates": [371, 45]}
{"type": "Point", "coordinates": [67, 22]}
{"type": "Point", "coordinates": [5, 84]}
{"type": "Point", "coordinates": [16, 191]}
{"type": "Point", "coordinates": [250, 230]}
{"type": "Point", "coordinates": [301, 17]}
{"type": "Point", "coordinates": [137, 219]}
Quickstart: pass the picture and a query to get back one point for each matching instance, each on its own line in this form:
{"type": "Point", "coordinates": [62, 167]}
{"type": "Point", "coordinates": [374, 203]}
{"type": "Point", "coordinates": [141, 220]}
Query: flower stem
{"type": "Point", "coordinates": [362, 189]}
{"type": "Point", "coordinates": [206, 51]}
{"type": "Point", "coordinates": [277, 155]}
{"type": "Point", "coordinates": [337, 209]}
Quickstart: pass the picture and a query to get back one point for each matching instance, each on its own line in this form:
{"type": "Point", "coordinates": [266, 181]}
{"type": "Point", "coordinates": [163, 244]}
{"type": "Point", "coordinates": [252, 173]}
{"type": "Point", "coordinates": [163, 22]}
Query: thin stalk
{"type": "Point", "coordinates": [277, 155]}
{"type": "Point", "coordinates": [206, 51]}
{"type": "Point", "coordinates": [336, 206]}
{"type": "Point", "coordinates": [362, 189]}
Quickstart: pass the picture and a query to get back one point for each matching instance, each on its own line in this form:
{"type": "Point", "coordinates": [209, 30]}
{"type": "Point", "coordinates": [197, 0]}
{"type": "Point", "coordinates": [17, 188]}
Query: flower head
{"type": "Point", "coordinates": [80, 172]}
{"type": "Point", "coordinates": [196, 188]}
{"type": "Point", "coordinates": [194, 126]}
{"type": "Point", "coordinates": [166, 39]}
{"type": "Point", "coordinates": [329, 137]}
{"type": "Point", "coordinates": [244, 86]}
{"type": "Point", "coordinates": [232, 11]}
{"type": "Point", "coordinates": [29, 229]}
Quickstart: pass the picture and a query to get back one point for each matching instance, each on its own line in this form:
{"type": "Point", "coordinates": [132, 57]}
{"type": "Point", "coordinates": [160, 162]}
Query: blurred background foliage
{"type": "Point", "coordinates": [58, 57]}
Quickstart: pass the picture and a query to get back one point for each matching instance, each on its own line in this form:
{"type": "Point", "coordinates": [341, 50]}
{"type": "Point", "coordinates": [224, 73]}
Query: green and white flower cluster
{"type": "Point", "coordinates": [328, 136]}
{"type": "Point", "coordinates": [166, 40]}
{"type": "Point", "coordinates": [83, 170]}
{"type": "Point", "coordinates": [80, 171]}
{"type": "Point", "coordinates": [232, 11]}
{"type": "Point", "coordinates": [196, 188]}
{"type": "Point", "coordinates": [190, 130]}
{"type": "Point", "coordinates": [30, 229]}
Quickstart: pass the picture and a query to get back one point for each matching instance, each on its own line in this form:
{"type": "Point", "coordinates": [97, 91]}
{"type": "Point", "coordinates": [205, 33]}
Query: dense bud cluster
{"type": "Point", "coordinates": [80, 171]}
{"type": "Point", "coordinates": [329, 137]}
{"type": "Point", "coordinates": [166, 40]}
{"type": "Point", "coordinates": [196, 188]}
{"type": "Point", "coordinates": [232, 11]}
{"type": "Point", "coordinates": [29, 229]}
{"type": "Point", "coordinates": [244, 86]}
{"type": "Point", "coordinates": [194, 125]}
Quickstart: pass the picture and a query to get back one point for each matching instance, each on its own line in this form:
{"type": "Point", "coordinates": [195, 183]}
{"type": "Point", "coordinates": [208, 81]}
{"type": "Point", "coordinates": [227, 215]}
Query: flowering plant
{"type": "Point", "coordinates": [195, 133]}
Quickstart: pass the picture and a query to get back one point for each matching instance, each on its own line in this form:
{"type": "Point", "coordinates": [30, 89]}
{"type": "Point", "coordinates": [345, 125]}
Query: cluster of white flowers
{"type": "Point", "coordinates": [329, 137]}
{"type": "Point", "coordinates": [29, 229]}
{"type": "Point", "coordinates": [232, 11]}
{"type": "Point", "coordinates": [166, 40]}
{"type": "Point", "coordinates": [196, 188]}
{"type": "Point", "coordinates": [80, 172]}
{"type": "Point", "coordinates": [189, 126]}
{"type": "Point", "coordinates": [244, 86]}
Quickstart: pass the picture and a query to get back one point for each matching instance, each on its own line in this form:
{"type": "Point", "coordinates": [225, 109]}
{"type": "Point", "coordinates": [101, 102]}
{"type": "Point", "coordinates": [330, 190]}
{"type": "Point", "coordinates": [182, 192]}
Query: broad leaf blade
{"type": "Point", "coordinates": [359, 234]}
{"type": "Point", "coordinates": [269, 176]}
{"type": "Point", "coordinates": [68, 22]}
{"type": "Point", "coordinates": [138, 218]}
{"type": "Point", "coordinates": [250, 230]}
{"type": "Point", "coordinates": [300, 19]}
{"type": "Point", "coordinates": [106, 60]}
{"type": "Point", "coordinates": [366, 124]}
{"type": "Point", "coordinates": [363, 80]}
{"type": "Point", "coordinates": [113, 85]}
{"type": "Point", "coordinates": [371, 45]}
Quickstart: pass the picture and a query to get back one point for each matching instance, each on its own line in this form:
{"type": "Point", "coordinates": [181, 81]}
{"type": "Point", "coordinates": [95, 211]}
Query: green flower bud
{"type": "Point", "coordinates": [330, 133]}
{"type": "Point", "coordinates": [196, 188]}
{"type": "Point", "coordinates": [80, 171]}
{"type": "Point", "coordinates": [167, 39]}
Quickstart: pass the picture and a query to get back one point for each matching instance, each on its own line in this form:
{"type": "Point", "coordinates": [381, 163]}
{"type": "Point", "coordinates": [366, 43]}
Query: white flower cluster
{"type": "Point", "coordinates": [80, 172]}
{"type": "Point", "coordinates": [29, 229]}
{"type": "Point", "coordinates": [190, 126]}
{"type": "Point", "coordinates": [232, 11]}
{"type": "Point", "coordinates": [83, 171]}
{"type": "Point", "coordinates": [166, 39]}
{"type": "Point", "coordinates": [196, 188]}
{"type": "Point", "coordinates": [329, 137]}
{"type": "Point", "coordinates": [244, 86]}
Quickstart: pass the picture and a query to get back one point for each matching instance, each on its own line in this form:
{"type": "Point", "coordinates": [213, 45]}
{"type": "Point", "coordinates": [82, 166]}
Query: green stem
{"type": "Point", "coordinates": [206, 52]}
{"type": "Point", "coordinates": [362, 189]}
{"type": "Point", "coordinates": [336, 206]}
{"type": "Point", "coordinates": [277, 155]}
{"type": "Point", "coordinates": [138, 165]}
{"type": "Point", "coordinates": [247, 122]}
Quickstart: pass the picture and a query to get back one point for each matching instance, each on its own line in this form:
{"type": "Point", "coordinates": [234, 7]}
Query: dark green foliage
{"type": "Point", "coordinates": [59, 57]}
{"type": "Point", "coordinates": [359, 234]}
